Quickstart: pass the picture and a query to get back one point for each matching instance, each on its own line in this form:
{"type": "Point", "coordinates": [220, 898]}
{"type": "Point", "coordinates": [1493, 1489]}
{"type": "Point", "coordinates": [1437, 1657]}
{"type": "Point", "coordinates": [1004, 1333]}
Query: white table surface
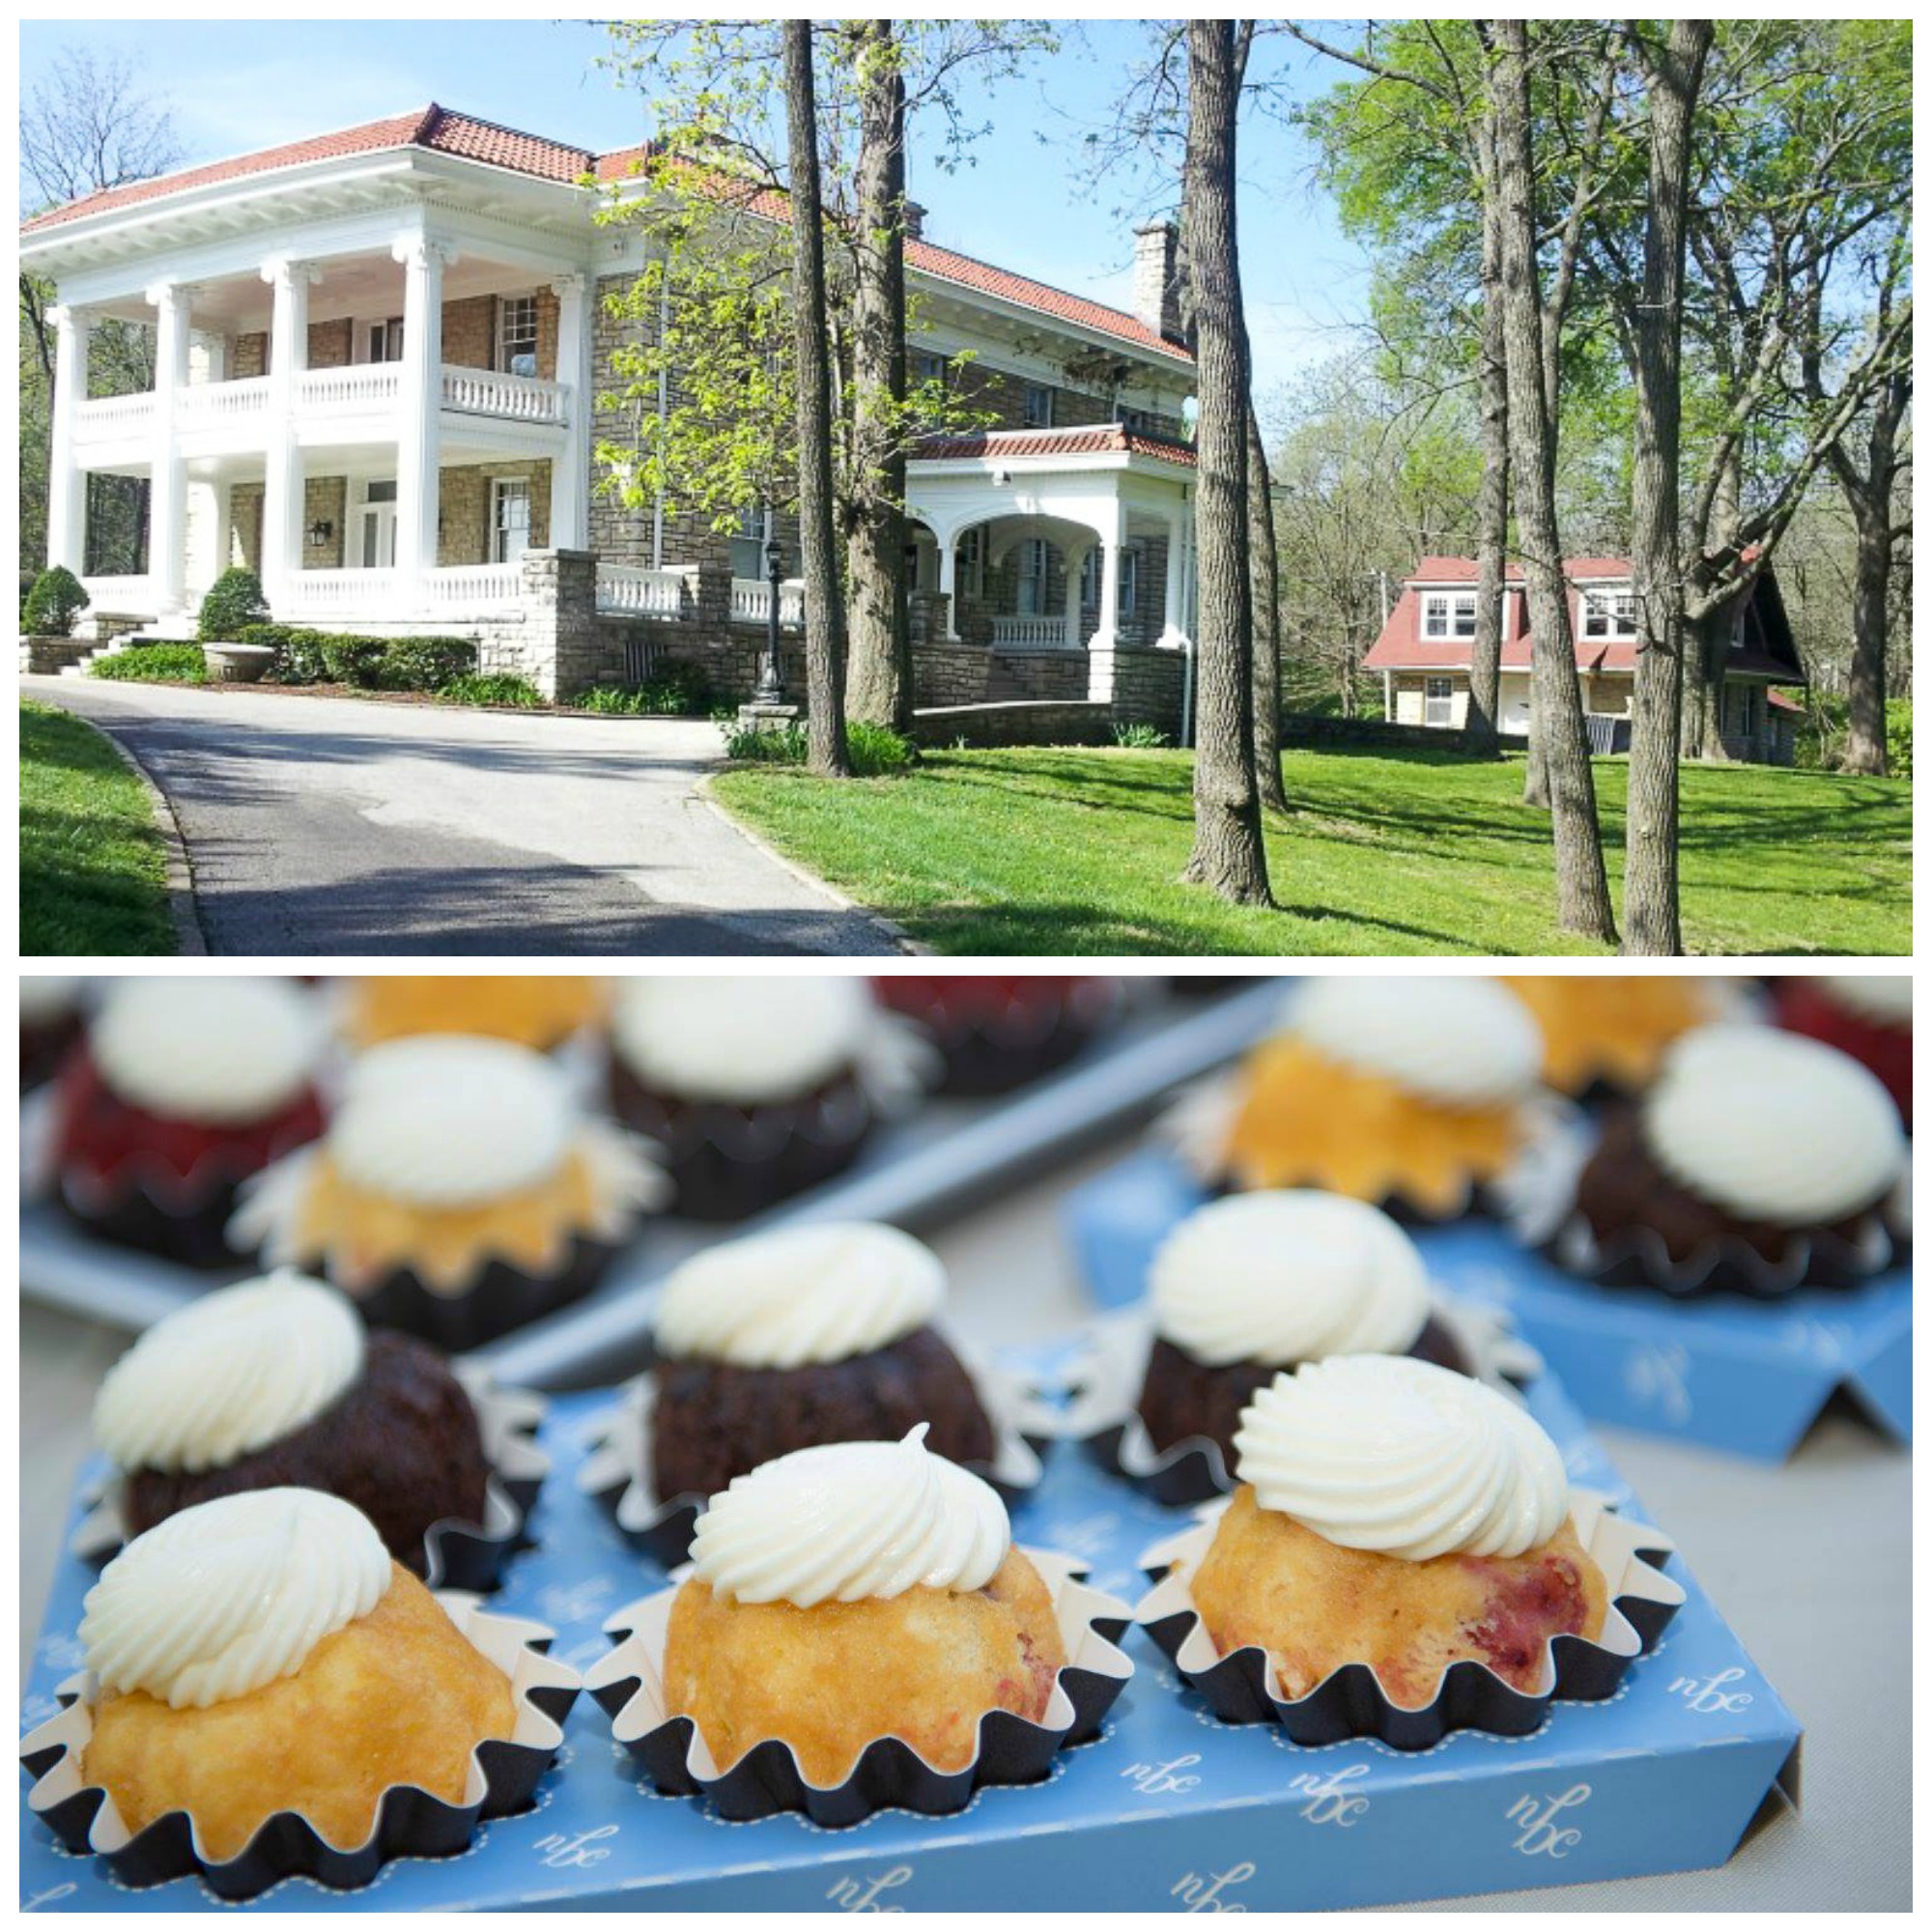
{"type": "Point", "coordinates": [1810, 1563]}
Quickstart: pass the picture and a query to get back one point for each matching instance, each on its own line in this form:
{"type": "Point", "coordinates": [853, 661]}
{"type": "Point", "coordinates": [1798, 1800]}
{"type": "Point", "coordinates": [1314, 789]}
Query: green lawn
{"type": "Point", "coordinates": [91, 873]}
{"type": "Point", "coordinates": [1080, 851]}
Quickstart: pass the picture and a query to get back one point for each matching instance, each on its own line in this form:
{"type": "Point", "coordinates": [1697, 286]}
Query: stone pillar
{"type": "Point", "coordinates": [570, 474]}
{"type": "Point", "coordinates": [1174, 614]}
{"type": "Point", "coordinates": [1107, 635]}
{"type": "Point", "coordinates": [419, 416]}
{"type": "Point", "coordinates": [282, 484]}
{"type": "Point", "coordinates": [66, 481]}
{"type": "Point", "coordinates": [560, 647]}
{"type": "Point", "coordinates": [167, 501]}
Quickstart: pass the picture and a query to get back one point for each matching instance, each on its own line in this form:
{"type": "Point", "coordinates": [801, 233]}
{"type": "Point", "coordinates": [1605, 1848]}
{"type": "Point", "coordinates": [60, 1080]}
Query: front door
{"type": "Point", "coordinates": [378, 547]}
{"type": "Point", "coordinates": [509, 519]}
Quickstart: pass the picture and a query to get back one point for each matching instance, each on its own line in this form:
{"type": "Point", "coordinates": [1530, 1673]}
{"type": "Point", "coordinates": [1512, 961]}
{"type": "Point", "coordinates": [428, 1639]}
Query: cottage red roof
{"type": "Point", "coordinates": [441, 130]}
{"type": "Point", "coordinates": [1102, 439]}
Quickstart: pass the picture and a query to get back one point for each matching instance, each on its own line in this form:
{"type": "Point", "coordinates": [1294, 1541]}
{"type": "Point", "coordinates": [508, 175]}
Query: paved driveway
{"type": "Point", "coordinates": [340, 826]}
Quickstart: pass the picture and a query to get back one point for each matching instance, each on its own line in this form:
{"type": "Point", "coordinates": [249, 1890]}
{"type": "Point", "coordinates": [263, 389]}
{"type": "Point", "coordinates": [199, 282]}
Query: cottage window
{"type": "Point", "coordinates": [1449, 613]}
{"type": "Point", "coordinates": [517, 334]}
{"type": "Point", "coordinates": [1438, 700]}
{"type": "Point", "coordinates": [1610, 613]}
{"type": "Point", "coordinates": [1140, 419]}
{"type": "Point", "coordinates": [1036, 406]}
{"type": "Point", "coordinates": [926, 367]}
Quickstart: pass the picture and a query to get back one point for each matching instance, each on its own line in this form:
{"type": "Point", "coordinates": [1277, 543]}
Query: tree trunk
{"type": "Point", "coordinates": [879, 678]}
{"type": "Point", "coordinates": [1651, 916]}
{"type": "Point", "coordinates": [1265, 595]}
{"type": "Point", "coordinates": [1582, 889]}
{"type": "Point", "coordinates": [824, 607]}
{"type": "Point", "coordinates": [1479, 731]}
{"type": "Point", "coordinates": [1227, 852]}
{"type": "Point", "coordinates": [1864, 736]}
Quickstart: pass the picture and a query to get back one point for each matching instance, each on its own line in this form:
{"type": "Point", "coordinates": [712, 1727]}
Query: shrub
{"type": "Point", "coordinates": [158, 664]}
{"type": "Point", "coordinates": [299, 658]}
{"type": "Point", "coordinates": [425, 664]}
{"type": "Point", "coordinates": [1139, 738]}
{"type": "Point", "coordinates": [493, 688]}
{"type": "Point", "coordinates": [875, 751]}
{"type": "Point", "coordinates": [357, 662]}
{"type": "Point", "coordinates": [52, 604]}
{"type": "Point", "coordinates": [677, 689]}
{"type": "Point", "coordinates": [232, 603]}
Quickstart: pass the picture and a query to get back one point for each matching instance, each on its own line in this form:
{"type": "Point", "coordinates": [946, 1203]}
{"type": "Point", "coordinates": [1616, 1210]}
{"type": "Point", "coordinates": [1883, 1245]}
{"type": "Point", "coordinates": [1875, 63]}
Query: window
{"type": "Point", "coordinates": [1449, 613]}
{"type": "Point", "coordinates": [1438, 700]}
{"type": "Point", "coordinates": [517, 334]}
{"type": "Point", "coordinates": [1031, 598]}
{"type": "Point", "coordinates": [509, 518]}
{"type": "Point", "coordinates": [1036, 406]}
{"type": "Point", "coordinates": [1140, 419]}
{"type": "Point", "coordinates": [970, 576]}
{"type": "Point", "coordinates": [926, 367]}
{"type": "Point", "coordinates": [385, 340]}
{"type": "Point", "coordinates": [748, 543]}
{"type": "Point", "coordinates": [377, 550]}
{"type": "Point", "coordinates": [1130, 582]}
{"type": "Point", "coordinates": [1610, 613]}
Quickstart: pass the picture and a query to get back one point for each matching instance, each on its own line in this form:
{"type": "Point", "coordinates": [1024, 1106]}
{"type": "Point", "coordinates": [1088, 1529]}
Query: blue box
{"type": "Point", "coordinates": [1167, 1810]}
{"type": "Point", "coordinates": [1745, 1375]}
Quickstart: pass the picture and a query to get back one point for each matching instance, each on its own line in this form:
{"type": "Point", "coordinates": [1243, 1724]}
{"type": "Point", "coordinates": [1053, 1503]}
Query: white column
{"type": "Point", "coordinates": [66, 481]}
{"type": "Point", "coordinates": [167, 501]}
{"type": "Point", "coordinates": [949, 559]}
{"type": "Point", "coordinates": [1076, 560]}
{"type": "Point", "coordinates": [419, 415]}
{"type": "Point", "coordinates": [1108, 636]}
{"type": "Point", "coordinates": [282, 491]}
{"type": "Point", "coordinates": [1174, 614]}
{"type": "Point", "coordinates": [570, 477]}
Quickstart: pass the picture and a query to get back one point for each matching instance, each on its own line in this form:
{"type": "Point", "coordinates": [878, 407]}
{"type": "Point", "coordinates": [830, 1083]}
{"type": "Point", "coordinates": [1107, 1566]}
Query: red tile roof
{"type": "Point", "coordinates": [441, 130]}
{"type": "Point", "coordinates": [1101, 438]}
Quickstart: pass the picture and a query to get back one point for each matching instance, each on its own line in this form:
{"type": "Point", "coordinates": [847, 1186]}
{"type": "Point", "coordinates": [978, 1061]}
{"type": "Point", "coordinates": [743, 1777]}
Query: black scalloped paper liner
{"type": "Point", "coordinates": [1351, 1702]}
{"type": "Point", "coordinates": [1483, 1203]}
{"type": "Point", "coordinates": [500, 1300]}
{"type": "Point", "coordinates": [464, 1556]}
{"type": "Point", "coordinates": [890, 1774]}
{"type": "Point", "coordinates": [1828, 1264]}
{"type": "Point", "coordinates": [1190, 1471]}
{"type": "Point", "coordinates": [410, 1823]}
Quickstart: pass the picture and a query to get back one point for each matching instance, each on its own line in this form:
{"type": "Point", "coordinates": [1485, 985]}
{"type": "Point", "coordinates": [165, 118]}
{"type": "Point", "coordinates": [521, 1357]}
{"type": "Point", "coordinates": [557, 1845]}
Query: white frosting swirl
{"type": "Point", "coordinates": [1288, 1276]}
{"type": "Point", "coordinates": [741, 1041]}
{"type": "Point", "coordinates": [447, 1120]}
{"type": "Point", "coordinates": [236, 1369]}
{"type": "Point", "coordinates": [1390, 1453]}
{"type": "Point", "coordinates": [1773, 1127]}
{"type": "Point", "coordinates": [47, 996]}
{"type": "Point", "coordinates": [848, 1522]}
{"type": "Point", "coordinates": [1461, 1043]}
{"type": "Point", "coordinates": [822, 1293]}
{"type": "Point", "coordinates": [215, 1051]}
{"type": "Point", "coordinates": [232, 1595]}
{"type": "Point", "coordinates": [1885, 999]}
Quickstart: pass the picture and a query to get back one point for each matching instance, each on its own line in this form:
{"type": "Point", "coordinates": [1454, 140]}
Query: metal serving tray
{"type": "Point", "coordinates": [918, 1172]}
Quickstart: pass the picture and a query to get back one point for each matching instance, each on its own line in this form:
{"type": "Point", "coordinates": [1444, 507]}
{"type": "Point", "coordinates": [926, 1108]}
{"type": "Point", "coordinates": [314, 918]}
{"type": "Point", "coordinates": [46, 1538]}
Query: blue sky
{"type": "Point", "coordinates": [1018, 203]}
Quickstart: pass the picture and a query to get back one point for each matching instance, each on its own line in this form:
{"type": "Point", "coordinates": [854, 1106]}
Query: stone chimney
{"type": "Point", "coordinates": [1158, 278]}
{"type": "Point", "coordinates": [914, 217]}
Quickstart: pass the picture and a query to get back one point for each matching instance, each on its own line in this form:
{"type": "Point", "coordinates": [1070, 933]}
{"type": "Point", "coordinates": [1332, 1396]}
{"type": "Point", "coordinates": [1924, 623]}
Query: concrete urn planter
{"type": "Point", "coordinates": [238, 663]}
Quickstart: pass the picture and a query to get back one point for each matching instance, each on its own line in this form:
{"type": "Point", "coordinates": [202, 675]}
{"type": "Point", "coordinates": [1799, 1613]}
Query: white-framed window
{"type": "Point", "coordinates": [509, 518]}
{"type": "Point", "coordinates": [748, 543]}
{"type": "Point", "coordinates": [969, 577]}
{"type": "Point", "coordinates": [1449, 615]}
{"type": "Point", "coordinates": [1130, 582]}
{"type": "Point", "coordinates": [1036, 405]}
{"type": "Point", "coordinates": [1438, 700]}
{"type": "Point", "coordinates": [375, 547]}
{"type": "Point", "coordinates": [1030, 590]}
{"type": "Point", "coordinates": [517, 334]}
{"type": "Point", "coordinates": [1610, 613]}
{"type": "Point", "coordinates": [385, 340]}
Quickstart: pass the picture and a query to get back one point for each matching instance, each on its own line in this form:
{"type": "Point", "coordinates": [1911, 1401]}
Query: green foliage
{"type": "Point", "coordinates": [1141, 738]}
{"type": "Point", "coordinates": [365, 663]}
{"type": "Point", "coordinates": [232, 603]}
{"type": "Point", "coordinates": [299, 658]}
{"type": "Point", "coordinates": [1899, 738]}
{"type": "Point", "coordinates": [493, 688]}
{"type": "Point", "coordinates": [874, 750]}
{"type": "Point", "coordinates": [53, 604]}
{"type": "Point", "coordinates": [677, 689]}
{"type": "Point", "coordinates": [153, 664]}
{"type": "Point", "coordinates": [425, 664]}
{"type": "Point", "coordinates": [357, 662]}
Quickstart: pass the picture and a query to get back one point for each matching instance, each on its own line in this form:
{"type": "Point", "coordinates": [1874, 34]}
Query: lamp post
{"type": "Point", "coordinates": [771, 678]}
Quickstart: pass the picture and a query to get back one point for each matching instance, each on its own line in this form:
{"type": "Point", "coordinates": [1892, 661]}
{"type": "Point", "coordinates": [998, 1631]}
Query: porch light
{"type": "Point", "coordinates": [321, 531]}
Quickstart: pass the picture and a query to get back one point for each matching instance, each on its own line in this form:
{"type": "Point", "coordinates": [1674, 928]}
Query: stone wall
{"type": "Point", "coordinates": [1144, 686]}
{"type": "Point", "coordinates": [1015, 722]}
{"type": "Point", "coordinates": [244, 525]}
{"type": "Point", "coordinates": [325, 500]}
{"type": "Point", "coordinates": [464, 532]}
{"type": "Point", "coordinates": [1367, 733]}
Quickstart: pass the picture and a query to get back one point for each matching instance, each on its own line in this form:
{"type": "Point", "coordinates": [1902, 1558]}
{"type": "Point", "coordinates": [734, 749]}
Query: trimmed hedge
{"type": "Point", "coordinates": [233, 605]}
{"type": "Point", "coordinates": [53, 604]}
{"type": "Point", "coordinates": [365, 663]}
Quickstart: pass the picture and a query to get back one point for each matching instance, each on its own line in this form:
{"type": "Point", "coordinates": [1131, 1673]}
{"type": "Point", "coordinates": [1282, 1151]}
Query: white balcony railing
{"type": "Point", "coordinates": [489, 392]}
{"type": "Point", "coordinates": [106, 418]}
{"type": "Point", "coordinates": [116, 596]}
{"type": "Point", "coordinates": [313, 592]}
{"type": "Point", "coordinates": [625, 592]}
{"type": "Point", "coordinates": [351, 391]}
{"type": "Point", "coordinates": [473, 586]}
{"type": "Point", "coordinates": [1032, 632]}
{"type": "Point", "coordinates": [215, 405]}
{"type": "Point", "coordinates": [751, 603]}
